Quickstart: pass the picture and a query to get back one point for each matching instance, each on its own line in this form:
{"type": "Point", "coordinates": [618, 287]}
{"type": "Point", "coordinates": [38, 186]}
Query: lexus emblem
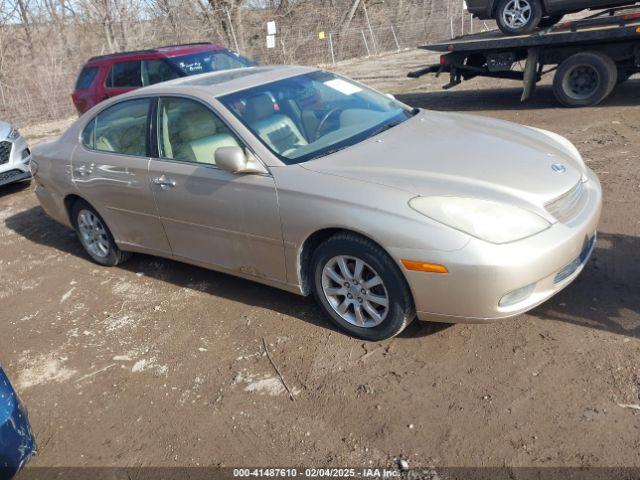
{"type": "Point", "coordinates": [558, 168]}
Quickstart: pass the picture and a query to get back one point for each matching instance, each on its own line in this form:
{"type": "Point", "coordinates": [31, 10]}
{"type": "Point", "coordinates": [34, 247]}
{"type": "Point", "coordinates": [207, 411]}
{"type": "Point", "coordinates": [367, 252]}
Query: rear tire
{"type": "Point", "coordinates": [95, 237]}
{"type": "Point", "coordinates": [550, 21]}
{"type": "Point", "coordinates": [361, 288]}
{"type": "Point", "coordinates": [585, 79]}
{"type": "Point", "coordinates": [518, 17]}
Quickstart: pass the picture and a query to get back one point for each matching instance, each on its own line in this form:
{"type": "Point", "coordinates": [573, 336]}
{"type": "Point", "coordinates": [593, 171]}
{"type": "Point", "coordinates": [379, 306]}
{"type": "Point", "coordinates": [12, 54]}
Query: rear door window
{"type": "Point", "coordinates": [125, 74]}
{"type": "Point", "coordinates": [156, 71]}
{"type": "Point", "coordinates": [86, 77]}
{"type": "Point", "coordinates": [121, 128]}
{"type": "Point", "coordinates": [88, 134]}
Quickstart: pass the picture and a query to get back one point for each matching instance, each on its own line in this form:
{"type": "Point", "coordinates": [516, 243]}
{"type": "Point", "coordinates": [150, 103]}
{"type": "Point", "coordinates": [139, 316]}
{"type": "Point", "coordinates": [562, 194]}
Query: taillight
{"type": "Point", "coordinates": [79, 103]}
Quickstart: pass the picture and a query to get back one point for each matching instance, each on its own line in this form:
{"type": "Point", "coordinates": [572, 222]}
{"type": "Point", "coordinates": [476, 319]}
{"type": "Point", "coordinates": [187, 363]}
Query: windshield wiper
{"type": "Point", "coordinates": [384, 128]}
{"type": "Point", "coordinates": [329, 152]}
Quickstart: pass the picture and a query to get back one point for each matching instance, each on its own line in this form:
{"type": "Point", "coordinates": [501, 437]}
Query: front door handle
{"type": "Point", "coordinates": [164, 182]}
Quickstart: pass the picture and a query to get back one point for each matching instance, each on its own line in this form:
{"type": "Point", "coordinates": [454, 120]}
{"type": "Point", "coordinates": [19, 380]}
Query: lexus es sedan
{"type": "Point", "coordinates": [310, 182]}
{"type": "Point", "coordinates": [14, 155]}
{"type": "Point", "coordinates": [516, 17]}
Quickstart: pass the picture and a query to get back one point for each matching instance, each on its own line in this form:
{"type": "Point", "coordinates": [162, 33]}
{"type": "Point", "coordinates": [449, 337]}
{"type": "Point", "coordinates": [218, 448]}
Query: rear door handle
{"type": "Point", "coordinates": [164, 182]}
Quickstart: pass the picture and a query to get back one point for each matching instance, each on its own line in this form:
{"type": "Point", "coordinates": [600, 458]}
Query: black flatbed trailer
{"type": "Point", "coordinates": [590, 56]}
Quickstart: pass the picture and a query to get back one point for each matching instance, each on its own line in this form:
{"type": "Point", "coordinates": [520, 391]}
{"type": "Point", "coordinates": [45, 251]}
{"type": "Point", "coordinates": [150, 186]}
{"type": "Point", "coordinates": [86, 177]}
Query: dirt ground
{"type": "Point", "coordinates": [157, 363]}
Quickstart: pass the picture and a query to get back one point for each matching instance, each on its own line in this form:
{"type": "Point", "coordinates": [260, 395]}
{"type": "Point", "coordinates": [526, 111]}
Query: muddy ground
{"type": "Point", "coordinates": [160, 363]}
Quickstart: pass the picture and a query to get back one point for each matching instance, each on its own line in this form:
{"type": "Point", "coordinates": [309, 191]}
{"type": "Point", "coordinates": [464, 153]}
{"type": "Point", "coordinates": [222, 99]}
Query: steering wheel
{"type": "Point", "coordinates": [322, 123]}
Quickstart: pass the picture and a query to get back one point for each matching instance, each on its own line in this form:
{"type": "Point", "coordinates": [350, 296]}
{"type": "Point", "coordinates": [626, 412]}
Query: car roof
{"type": "Point", "coordinates": [216, 84]}
{"type": "Point", "coordinates": [158, 52]}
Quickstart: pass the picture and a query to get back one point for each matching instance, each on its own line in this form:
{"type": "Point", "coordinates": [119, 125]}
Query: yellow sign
{"type": "Point", "coordinates": [321, 35]}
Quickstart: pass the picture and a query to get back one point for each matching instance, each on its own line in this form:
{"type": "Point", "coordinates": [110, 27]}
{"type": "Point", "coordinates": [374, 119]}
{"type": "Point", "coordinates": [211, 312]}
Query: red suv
{"type": "Point", "coordinates": [110, 75]}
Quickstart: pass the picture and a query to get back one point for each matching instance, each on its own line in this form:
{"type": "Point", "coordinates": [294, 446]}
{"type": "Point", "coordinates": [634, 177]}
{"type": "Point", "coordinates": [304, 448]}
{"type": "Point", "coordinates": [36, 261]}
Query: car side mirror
{"type": "Point", "coordinates": [235, 160]}
{"type": "Point", "coordinates": [391, 96]}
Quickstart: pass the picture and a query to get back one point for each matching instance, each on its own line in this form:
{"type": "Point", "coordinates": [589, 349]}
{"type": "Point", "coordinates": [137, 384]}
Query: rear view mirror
{"type": "Point", "coordinates": [234, 160]}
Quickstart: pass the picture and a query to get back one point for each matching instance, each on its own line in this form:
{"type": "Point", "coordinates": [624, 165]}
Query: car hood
{"type": "Point", "coordinates": [455, 154]}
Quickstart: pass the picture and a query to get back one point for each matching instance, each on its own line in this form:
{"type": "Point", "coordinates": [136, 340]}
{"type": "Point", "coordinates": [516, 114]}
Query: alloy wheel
{"type": "Point", "coordinates": [517, 14]}
{"type": "Point", "coordinates": [93, 234]}
{"type": "Point", "coordinates": [355, 291]}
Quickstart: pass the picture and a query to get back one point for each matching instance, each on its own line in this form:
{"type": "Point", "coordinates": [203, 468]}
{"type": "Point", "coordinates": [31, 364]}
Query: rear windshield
{"type": "Point", "coordinates": [85, 79]}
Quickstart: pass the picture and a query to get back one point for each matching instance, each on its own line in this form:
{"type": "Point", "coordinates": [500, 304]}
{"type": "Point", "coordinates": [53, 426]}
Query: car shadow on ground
{"type": "Point", "coordinates": [35, 225]}
{"type": "Point", "coordinates": [606, 296]}
{"type": "Point", "coordinates": [626, 94]}
{"type": "Point", "coordinates": [608, 287]}
{"type": "Point", "coordinates": [10, 189]}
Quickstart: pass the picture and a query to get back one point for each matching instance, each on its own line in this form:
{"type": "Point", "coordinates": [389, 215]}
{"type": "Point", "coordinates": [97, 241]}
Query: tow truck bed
{"type": "Point", "coordinates": [607, 43]}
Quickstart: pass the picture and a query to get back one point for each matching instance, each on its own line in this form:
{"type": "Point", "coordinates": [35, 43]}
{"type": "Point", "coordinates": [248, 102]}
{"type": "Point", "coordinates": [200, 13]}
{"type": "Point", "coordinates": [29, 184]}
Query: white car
{"type": "Point", "coordinates": [14, 155]}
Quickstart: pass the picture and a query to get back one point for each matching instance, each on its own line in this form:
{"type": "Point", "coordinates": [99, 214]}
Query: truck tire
{"type": "Point", "coordinates": [585, 79]}
{"type": "Point", "coordinates": [518, 17]}
{"type": "Point", "coordinates": [550, 21]}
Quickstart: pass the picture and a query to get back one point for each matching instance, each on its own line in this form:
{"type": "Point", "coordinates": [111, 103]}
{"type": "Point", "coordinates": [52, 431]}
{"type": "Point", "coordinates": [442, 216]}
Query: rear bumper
{"type": "Point", "coordinates": [52, 204]}
{"type": "Point", "coordinates": [481, 274]}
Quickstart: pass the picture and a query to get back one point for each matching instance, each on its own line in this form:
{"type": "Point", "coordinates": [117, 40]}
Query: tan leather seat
{"type": "Point", "coordinates": [277, 130]}
{"type": "Point", "coordinates": [194, 135]}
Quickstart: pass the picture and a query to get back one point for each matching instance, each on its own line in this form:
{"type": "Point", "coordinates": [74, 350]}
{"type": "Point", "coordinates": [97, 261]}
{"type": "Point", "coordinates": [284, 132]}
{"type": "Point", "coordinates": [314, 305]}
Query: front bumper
{"type": "Point", "coordinates": [14, 167]}
{"type": "Point", "coordinates": [481, 273]}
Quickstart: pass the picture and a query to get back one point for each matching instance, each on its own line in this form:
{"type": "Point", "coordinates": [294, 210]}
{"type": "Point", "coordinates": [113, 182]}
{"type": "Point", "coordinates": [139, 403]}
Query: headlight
{"type": "Point", "coordinates": [14, 134]}
{"type": "Point", "coordinates": [484, 219]}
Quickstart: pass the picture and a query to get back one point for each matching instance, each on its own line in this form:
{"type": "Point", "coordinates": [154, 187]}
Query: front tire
{"type": "Point", "coordinates": [518, 17]}
{"type": "Point", "coordinates": [95, 237]}
{"type": "Point", "coordinates": [585, 79]}
{"type": "Point", "coordinates": [361, 288]}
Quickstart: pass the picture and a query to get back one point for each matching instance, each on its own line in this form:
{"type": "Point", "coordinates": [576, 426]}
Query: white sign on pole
{"type": "Point", "coordinates": [464, 5]}
{"type": "Point", "coordinates": [271, 28]}
{"type": "Point", "coordinates": [271, 41]}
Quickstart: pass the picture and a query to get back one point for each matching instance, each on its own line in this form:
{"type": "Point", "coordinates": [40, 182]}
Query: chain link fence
{"type": "Point", "coordinates": [39, 89]}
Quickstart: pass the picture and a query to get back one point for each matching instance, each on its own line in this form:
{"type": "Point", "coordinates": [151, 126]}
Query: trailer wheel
{"type": "Point", "coordinates": [517, 17]}
{"type": "Point", "coordinates": [585, 79]}
{"type": "Point", "coordinates": [550, 21]}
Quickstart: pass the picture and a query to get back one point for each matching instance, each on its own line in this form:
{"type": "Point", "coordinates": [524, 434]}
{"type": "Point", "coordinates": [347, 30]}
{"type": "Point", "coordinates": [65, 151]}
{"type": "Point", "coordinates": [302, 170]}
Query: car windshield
{"type": "Point", "coordinates": [315, 114]}
{"type": "Point", "coordinates": [204, 62]}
